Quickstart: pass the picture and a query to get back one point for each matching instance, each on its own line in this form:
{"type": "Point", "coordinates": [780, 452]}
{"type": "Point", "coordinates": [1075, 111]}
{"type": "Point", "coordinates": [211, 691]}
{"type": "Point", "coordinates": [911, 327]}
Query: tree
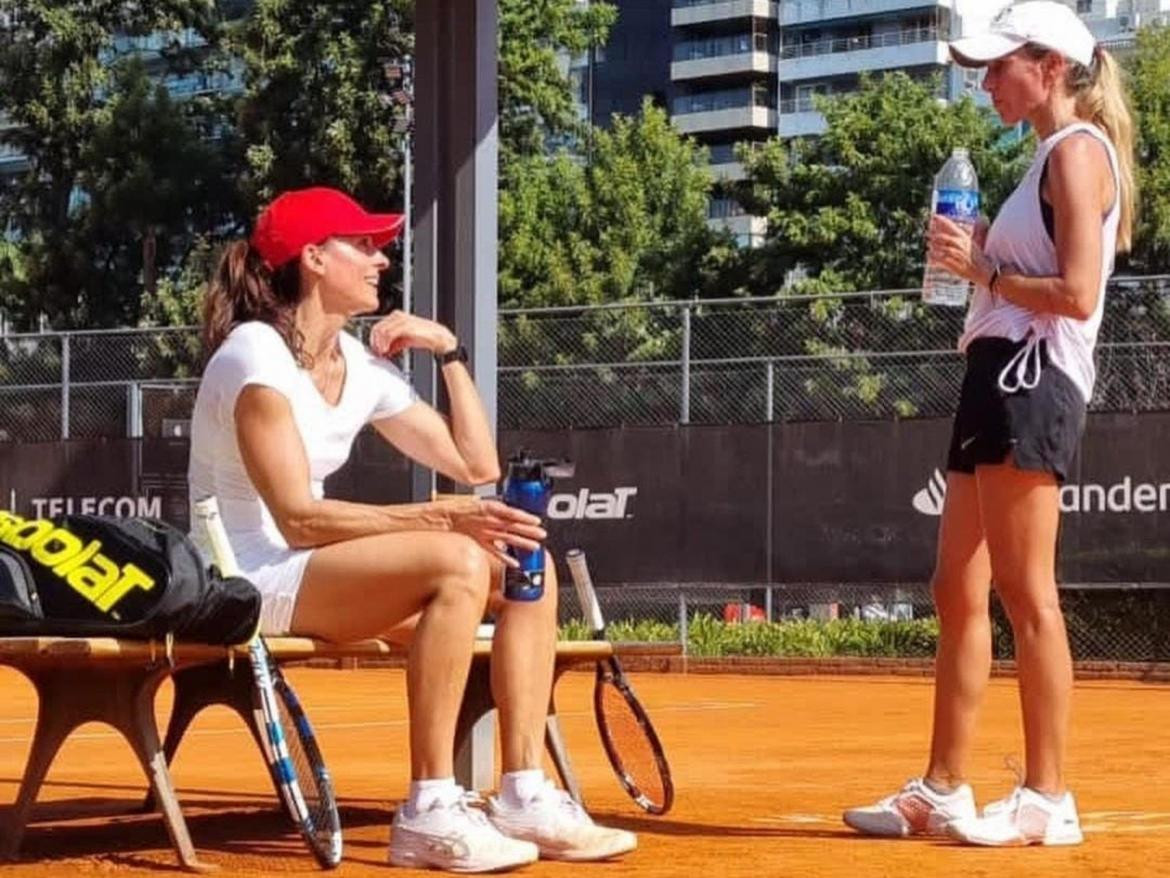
{"type": "Point", "coordinates": [91, 127]}
{"type": "Point", "coordinates": [851, 206]}
{"type": "Point", "coordinates": [317, 106]}
{"type": "Point", "coordinates": [1149, 75]}
{"type": "Point", "coordinates": [632, 223]}
{"type": "Point", "coordinates": [630, 226]}
{"type": "Point", "coordinates": [537, 37]}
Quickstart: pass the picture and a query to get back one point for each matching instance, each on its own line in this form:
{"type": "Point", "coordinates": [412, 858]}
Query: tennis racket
{"type": "Point", "coordinates": [627, 734]}
{"type": "Point", "coordinates": [289, 745]}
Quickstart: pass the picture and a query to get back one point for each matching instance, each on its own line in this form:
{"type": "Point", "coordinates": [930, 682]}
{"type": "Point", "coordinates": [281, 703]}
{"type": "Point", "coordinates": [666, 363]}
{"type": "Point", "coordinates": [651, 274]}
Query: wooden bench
{"type": "Point", "coordinates": [80, 680]}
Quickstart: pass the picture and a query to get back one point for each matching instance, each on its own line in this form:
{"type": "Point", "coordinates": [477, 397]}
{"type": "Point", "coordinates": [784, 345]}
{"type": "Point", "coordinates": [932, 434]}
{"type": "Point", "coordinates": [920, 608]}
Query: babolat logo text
{"type": "Point", "coordinates": [82, 565]}
{"type": "Point", "coordinates": [592, 504]}
{"type": "Point", "coordinates": [1124, 496]}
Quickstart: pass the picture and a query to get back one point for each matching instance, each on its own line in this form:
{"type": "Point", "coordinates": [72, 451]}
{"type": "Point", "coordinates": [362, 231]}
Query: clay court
{"type": "Point", "coordinates": [763, 765]}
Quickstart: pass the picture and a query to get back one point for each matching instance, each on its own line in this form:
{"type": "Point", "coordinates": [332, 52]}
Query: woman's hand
{"type": "Point", "coordinates": [492, 524]}
{"type": "Point", "coordinates": [398, 331]}
{"type": "Point", "coordinates": [959, 249]}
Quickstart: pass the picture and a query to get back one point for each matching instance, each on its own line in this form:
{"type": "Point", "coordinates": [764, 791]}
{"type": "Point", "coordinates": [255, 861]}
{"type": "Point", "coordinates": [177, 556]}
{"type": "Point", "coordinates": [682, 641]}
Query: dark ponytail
{"type": "Point", "coordinates": [244, 288]}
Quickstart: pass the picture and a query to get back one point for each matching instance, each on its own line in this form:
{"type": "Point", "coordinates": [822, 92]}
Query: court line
{"type": "Point", "coordinates": [701, 706]}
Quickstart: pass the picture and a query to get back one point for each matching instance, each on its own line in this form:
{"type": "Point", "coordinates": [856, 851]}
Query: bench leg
{"type": "Point", "coordinates": [202, 686]}
{"type": "Point", "coordinates": [120, 697]}
{"type": "Point", "coordinates": [475, 731]}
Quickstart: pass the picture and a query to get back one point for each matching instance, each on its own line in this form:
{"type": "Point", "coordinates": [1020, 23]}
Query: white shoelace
{"type": "Point", "coordinates": [1022, 371]}
{"type": "Point", "coordinates": [562, 801]}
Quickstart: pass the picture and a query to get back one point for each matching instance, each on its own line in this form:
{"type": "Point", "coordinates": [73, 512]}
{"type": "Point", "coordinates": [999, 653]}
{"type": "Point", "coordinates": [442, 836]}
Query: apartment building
{"type": "Point", "coordinates": [828, 45]}
{"type": "Point", "coordinates": [724, 67]}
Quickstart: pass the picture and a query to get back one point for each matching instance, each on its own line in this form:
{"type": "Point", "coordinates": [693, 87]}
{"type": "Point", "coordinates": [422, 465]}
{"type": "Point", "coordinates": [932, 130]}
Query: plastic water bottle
{"type": "Point", "coordinates": [526, 486]}
{"type": "Point", "coordinates": [955, 196]}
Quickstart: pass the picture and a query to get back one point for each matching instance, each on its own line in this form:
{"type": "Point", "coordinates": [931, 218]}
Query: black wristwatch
{"type": "Point", "coordinates": [457, 355]}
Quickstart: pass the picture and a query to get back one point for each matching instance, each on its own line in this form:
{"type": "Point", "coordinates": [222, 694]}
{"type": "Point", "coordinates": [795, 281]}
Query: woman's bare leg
{"type": "Point", "coordinates": [367, 587]}
{"type": "Point", "coordinates": [523, 654]}
{"type": "Point", "coordinates": [961, 585]}
{"type": "Point", "coordinates": [1021, 513]}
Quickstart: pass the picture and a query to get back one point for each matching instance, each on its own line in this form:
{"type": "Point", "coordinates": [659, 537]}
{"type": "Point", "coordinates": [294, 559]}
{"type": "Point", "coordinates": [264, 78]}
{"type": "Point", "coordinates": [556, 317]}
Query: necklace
{"type": "Point", "coordinates": [330, 378]}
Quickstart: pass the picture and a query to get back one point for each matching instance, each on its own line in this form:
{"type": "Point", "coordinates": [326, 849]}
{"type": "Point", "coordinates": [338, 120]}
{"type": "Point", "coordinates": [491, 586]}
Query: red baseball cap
{"type": "Point", "coordinates": [309, 216]}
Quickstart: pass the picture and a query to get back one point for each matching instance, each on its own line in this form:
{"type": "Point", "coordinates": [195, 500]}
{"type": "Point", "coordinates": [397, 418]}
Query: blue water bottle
{"type": "Point", "coordinates": [527, 486]}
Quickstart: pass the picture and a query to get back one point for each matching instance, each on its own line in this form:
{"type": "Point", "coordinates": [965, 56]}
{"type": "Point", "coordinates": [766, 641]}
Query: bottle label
{"type": "Point", "coordinates": [961, 205]}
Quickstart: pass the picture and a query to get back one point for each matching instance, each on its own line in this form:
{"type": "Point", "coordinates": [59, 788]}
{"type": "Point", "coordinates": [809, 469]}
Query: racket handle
{"type": "Point", "coordinates": [586, 595]}
{"type": "Point", "coordinates": [208, 519]}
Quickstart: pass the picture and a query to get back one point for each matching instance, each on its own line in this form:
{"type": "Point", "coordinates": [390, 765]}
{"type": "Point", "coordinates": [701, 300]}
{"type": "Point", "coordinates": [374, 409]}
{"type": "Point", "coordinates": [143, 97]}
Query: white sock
{"type": "Point", "coordinates": [517, 787]}
{"type": "Point", "coordinates": [424, 793]}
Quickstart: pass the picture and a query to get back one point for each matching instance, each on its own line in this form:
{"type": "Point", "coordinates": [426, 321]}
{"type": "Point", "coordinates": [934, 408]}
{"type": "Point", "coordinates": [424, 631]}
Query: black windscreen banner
{"type": "Point", "coordinates": [829, 502]}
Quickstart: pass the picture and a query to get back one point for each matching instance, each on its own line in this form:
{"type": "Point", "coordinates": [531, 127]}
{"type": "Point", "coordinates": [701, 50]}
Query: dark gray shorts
{"type": "Point", "coordinates": [1040, 428]}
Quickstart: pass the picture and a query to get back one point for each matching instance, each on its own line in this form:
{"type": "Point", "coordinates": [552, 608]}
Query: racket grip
{"type": "Point", "coordinates": [208, 519]}
{"type": "Point", "coordinates": [586, 595]}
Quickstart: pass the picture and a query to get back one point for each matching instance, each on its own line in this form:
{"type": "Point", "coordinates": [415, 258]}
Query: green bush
{"type": "Point", "coordinates": [709, 636]}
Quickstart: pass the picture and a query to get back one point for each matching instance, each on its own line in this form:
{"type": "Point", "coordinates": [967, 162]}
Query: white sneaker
{"type": "Point", "coordinates": [915, 809]}
{"type": "Point", "coordinates": [456, 837]}
{"type": "Point", "coordinates": [1025, 817]}
{"type": "Point", "coordinates": [559, 826]}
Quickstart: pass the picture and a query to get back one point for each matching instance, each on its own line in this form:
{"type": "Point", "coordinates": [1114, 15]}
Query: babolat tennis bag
{"type": "Point", "coordinates": [96, 576]}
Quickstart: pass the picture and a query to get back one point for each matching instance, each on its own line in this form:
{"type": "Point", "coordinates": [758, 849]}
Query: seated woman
{"type": "Point", "coordinates": [284, 393]}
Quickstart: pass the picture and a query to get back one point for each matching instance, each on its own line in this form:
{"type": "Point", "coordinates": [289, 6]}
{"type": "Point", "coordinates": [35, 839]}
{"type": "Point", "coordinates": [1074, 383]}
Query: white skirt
{"type": "Point", "coordinates": [277, 572]}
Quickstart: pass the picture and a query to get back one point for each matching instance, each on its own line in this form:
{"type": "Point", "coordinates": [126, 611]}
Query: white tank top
{"type": "Point", "coordinates": [1020, 244]}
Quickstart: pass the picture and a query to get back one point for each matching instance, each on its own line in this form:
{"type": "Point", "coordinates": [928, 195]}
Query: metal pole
{"type": "Point", "coordinates": [683, 636]}
{"type": "Point", "coordinates": [768, 603]}
{"type": "Point", "coordinates": [684, 416]}
{"type": "Point", "coordinates": [134, 410]}
{"type": "Point", "coordinates": [65, 386]}
{"type": "Point", "coordinates": [770, 393]}
{"type": "Point", "coordinates": [407, 232]}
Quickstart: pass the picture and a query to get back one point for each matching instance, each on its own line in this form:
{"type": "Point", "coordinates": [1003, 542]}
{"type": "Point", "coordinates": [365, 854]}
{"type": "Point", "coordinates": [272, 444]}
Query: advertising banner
{"type": "Point", "coordinates": [826, 502]}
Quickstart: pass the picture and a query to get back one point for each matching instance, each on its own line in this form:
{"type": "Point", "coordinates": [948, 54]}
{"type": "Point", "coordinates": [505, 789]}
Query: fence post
{"type": "Point", "coordinates": [65, 385]}
{"type": "Point", "coordinates": [770, 393]}
{"type": "Point", "coordinates": [683, 635]}
{"type": "Point", "coordinates": [684, 416]}
{"type": "Point", "coordinates": [134, 410]}
{"type": "Point", "coordinates": [768, 603]}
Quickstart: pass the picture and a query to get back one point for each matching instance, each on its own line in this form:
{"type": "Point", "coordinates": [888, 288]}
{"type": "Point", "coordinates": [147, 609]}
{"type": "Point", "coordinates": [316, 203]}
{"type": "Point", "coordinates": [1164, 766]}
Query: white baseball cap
{"type": "Point", "coordinates": [1042, 22]}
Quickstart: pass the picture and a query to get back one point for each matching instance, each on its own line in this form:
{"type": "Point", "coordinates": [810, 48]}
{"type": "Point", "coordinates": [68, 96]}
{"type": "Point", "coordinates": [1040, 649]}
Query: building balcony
{"type": "Point", "coordinates": [748, 231]}
{"type": "Point", "coordinates": [800, 122]}
{"type": "Point", "coordinates": [724, 65]}
{"type": "Point", "coordinates": [795, 12]}
{"type": "Point", "coordinates": [688, 12]}
{"type": "Point", "coordinates": [919, 47]}
{"type": "Point", "coordinates": [728, 172]}
{"type": "Point", "coordinates": [742, 118]}
{"type": "Point", "coordinates": [724, 56]}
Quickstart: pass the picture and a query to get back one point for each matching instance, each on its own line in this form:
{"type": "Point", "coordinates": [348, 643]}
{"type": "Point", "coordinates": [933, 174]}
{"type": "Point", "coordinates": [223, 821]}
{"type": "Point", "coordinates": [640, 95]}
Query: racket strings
{"type": "Point", "coordinates": [318, 801]}
{"type": "Point", "coordinates": [631, 744]}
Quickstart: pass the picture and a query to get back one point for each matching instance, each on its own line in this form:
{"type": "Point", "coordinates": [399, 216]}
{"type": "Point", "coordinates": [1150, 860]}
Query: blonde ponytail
{"type": "Point", "coordinates": [1101, 100]}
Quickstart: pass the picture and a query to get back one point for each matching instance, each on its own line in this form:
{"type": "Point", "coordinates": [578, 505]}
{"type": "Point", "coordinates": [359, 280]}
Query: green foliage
{"type": "Point", "coordinates": [535, 98]}
{"type": "Point", "coordinates": [853, 203]}
{"type": "Point", "coordinates": [711, 637]}
{"type": "Point", "coordinates": [631, 223]}
{"type": "Point", "coordinates": [316, 109]}
{"type": "Point", "coordinates": [119, 175]}
{"type": "Point", "coordinates": [1149, 69]}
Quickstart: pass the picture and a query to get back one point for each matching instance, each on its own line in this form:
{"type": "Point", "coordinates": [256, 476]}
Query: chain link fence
{"type": "Point", "coordinates": [832, 357]}
{"type": "Point", "coordinates": [1105, 623]}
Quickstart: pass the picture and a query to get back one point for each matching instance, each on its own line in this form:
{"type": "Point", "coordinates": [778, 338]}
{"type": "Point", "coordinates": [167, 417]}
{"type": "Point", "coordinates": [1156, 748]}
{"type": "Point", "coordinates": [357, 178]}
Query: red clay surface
{"type": "Point", "coordinates": [763, 767]}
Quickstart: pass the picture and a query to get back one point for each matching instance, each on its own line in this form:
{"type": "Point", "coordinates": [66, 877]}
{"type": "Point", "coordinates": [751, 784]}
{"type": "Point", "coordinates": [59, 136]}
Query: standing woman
{"type": "Point", "coordinates": [1039, 274]}
{"type": "Point", "coordinates": [284, 393]}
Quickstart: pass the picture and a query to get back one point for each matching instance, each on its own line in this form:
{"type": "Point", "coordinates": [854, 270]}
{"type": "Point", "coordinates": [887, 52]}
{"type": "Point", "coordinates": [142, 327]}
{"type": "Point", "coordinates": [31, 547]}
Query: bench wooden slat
{"type": "Point", "coordinates": [20, 650]}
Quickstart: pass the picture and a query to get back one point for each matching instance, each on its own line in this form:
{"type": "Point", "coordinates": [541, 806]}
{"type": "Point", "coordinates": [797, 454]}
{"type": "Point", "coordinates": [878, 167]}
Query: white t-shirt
{"type": "Point", "coordinates": [254, 353]}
